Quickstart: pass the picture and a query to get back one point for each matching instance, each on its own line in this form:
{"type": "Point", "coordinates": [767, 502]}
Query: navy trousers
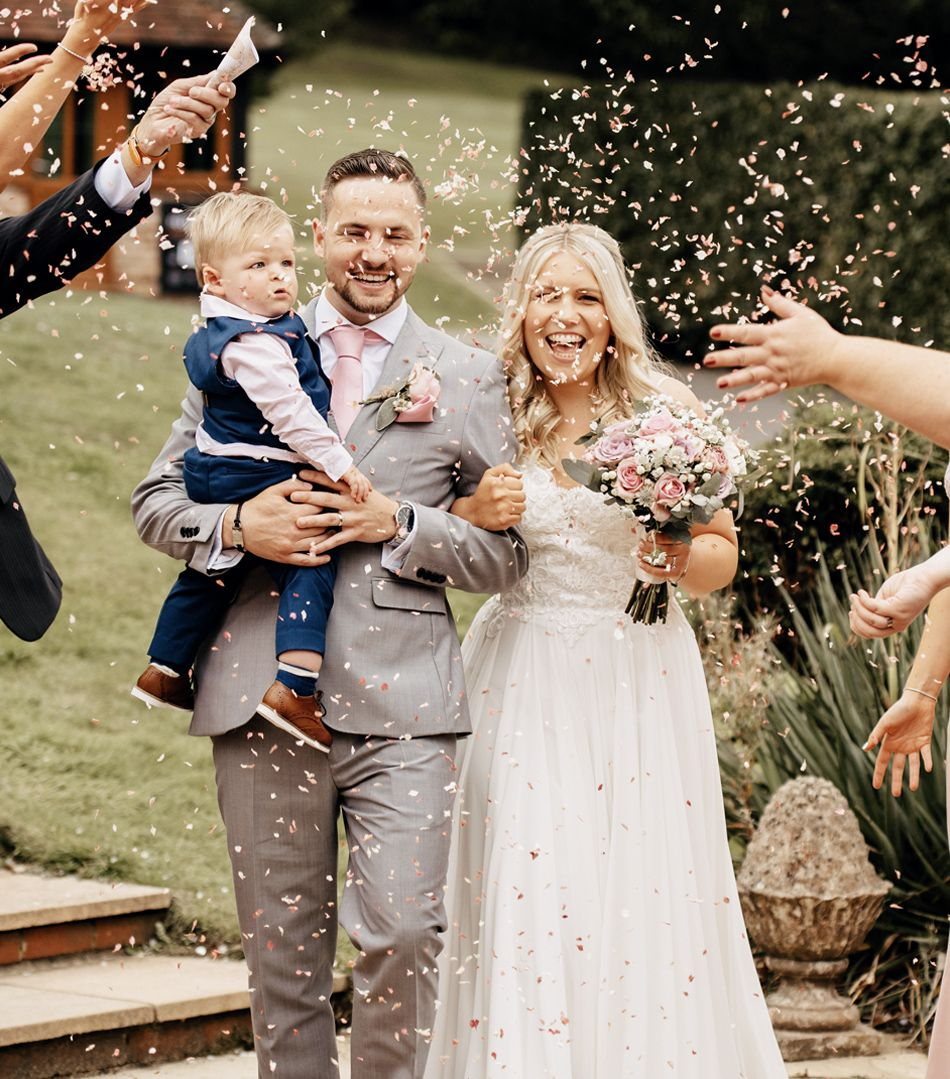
{"type": "Point", "coordinates": [196, 603]}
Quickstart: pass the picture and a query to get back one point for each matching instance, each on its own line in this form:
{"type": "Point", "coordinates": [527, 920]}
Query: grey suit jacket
{"type": "Point", "coordinates": [393, 665]}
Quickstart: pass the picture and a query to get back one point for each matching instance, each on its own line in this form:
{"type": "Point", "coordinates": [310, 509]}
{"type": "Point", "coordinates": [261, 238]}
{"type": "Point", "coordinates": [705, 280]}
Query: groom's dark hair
{"type": "Point", "coordinates": [374, 164]}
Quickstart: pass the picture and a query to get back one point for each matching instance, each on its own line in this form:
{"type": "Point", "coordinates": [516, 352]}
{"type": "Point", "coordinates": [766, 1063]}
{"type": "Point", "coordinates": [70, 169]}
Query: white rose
{"type": "Point", "coordinates": [734, 457]}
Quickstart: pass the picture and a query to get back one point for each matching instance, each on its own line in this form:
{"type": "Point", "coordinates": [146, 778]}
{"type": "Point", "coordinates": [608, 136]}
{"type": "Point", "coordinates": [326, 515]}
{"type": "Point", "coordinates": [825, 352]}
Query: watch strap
{"type": "Point", "coordinates": [237, 531]}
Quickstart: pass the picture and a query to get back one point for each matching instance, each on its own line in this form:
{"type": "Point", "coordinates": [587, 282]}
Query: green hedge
{"type": "Point", "coordinates": [743, 39]}
{"type": "Point", "coordinates": [710, 187]}
{"type": "Point", "coordinates": [815, 501]}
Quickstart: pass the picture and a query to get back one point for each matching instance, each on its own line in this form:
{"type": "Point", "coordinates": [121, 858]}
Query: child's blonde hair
{"type": "Point", "coordinates": [225, 223]}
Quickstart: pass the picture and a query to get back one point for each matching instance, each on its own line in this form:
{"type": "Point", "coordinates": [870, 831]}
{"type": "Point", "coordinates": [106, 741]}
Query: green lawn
{"type": "Point", "coordinates": [453, 117]}
{"type": "Point", "coordinates": [89, 386]}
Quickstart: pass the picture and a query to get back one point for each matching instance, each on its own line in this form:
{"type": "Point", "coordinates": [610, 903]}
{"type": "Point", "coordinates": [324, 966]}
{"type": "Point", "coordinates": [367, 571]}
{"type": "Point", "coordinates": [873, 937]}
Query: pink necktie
{"type": "Point", "coordinates": [347, 377]}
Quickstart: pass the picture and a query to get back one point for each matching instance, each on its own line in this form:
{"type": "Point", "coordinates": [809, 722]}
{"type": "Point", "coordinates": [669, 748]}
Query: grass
{"type": "Point", "coordinates": [453, 117]}
{"type": "Point", "coordinates": [89, 386]}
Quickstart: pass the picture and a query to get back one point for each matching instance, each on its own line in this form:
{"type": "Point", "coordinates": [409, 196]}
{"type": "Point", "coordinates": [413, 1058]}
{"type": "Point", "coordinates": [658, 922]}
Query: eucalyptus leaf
{"type": "Point", "coordinates": [678, 532]}
{"type": "Point", "coordinates": [711, 486]}
{"type": "Point", "coordinates": [387, 414]}
{"type": "Point", "coordinates": [583, 472]}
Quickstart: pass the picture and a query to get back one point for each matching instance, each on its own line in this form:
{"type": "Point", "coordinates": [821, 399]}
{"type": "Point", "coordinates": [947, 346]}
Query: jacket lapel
{"type": "Point", "coordinates": [409, 348]}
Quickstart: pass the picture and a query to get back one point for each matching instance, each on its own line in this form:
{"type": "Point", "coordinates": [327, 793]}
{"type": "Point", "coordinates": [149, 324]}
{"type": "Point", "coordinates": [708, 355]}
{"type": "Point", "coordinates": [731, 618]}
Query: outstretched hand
{"type": "Point", "coordinates": [18, 63]}
{"type": "Point", "coordinates": [898, 602]}
{"type": "Point", "coordinates": [94, 20]}
{"type": "Point", "coordinates": [795, 350]}
{"type": "Point", "coordinates": [903, 733]}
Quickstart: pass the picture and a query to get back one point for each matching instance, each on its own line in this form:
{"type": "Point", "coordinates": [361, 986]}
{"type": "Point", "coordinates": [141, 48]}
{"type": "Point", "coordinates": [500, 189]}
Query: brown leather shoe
{"type": "Point", "coordinates": [300, 717]}
{"type": "Point", "coordinates": [161, 690]}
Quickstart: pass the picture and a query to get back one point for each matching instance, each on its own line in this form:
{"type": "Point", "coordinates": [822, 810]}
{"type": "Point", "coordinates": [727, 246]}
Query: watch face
{"type": "Point", "coordinates": [404, 517]}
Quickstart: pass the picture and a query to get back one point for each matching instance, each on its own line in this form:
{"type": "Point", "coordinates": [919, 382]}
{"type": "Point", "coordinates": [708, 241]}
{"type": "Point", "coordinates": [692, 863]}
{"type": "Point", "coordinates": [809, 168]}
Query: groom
{"type": "Point", "coordinates": [392, 675]}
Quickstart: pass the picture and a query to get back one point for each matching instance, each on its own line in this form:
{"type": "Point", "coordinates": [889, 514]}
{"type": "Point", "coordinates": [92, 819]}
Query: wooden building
{"type": "Point", "coordinates": [171, 39]}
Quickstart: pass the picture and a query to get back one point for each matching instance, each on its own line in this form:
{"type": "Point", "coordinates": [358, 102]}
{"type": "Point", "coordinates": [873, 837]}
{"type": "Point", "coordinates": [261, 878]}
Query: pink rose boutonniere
{"type": "Point", "coordinates": [411, 401]}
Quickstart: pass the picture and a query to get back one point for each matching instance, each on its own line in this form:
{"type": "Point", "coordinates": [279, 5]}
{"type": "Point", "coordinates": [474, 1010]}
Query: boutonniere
{"type": "Point", "coordinates": [411, 401]}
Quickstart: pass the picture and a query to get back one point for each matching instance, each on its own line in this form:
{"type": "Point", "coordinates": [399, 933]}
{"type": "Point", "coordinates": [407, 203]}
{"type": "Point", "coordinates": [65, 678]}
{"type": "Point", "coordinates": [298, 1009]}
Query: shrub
{"type": "Point", "coordinates": [710, 187]}
{"type": "Point", "coordinates": [817, 726]}
{"type": "Point", "coordinates": [818, 496]}
{"type": "Point", "coordinates": [745, 39]}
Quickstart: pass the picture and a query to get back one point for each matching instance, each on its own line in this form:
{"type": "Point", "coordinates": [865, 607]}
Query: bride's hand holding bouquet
{"type": "Point", "coordinates": [670, 469]}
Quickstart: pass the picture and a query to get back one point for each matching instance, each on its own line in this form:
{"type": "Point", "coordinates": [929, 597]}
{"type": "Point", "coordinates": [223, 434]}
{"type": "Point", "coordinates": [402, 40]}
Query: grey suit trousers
{"type": "Point", "coordinates": [280, 803]}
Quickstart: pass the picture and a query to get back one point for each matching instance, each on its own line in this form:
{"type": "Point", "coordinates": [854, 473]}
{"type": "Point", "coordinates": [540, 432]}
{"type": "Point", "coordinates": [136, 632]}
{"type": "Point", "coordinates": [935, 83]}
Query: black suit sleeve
{"type": "Point", "coordinates": [60, 238]}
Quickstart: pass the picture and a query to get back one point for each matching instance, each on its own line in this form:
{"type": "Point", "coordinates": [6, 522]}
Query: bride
{"type": "Point", "coordinates": [594, 928]}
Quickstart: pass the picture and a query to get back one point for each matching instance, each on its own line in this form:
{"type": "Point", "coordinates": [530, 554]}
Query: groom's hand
{"type": "Point", "coordinates": [372, 521]}
{"type": "Point", "coordinates": [275, 528]}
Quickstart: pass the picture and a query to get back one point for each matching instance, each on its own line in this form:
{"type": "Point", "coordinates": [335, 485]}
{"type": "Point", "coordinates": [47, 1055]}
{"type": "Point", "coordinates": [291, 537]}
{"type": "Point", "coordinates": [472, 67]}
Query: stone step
{"type": "Point", "coordinates": [43, 917]}
{"type": "Point", "coordinates": [227, 1066]}
{"type": "Point", "coordinates": [85, 1015]}
{"type": "Point", "coordinates": [895, 1064]}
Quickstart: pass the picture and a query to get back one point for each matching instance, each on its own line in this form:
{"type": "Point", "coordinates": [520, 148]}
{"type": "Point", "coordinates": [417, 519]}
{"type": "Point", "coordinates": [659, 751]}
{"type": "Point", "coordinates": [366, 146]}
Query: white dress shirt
{"type": "Point", "coordinates": [263, 366]}
{"type": "Point", "coordinates": [375, 354]}
{"type": "Point", "coordinates": [114, 186]}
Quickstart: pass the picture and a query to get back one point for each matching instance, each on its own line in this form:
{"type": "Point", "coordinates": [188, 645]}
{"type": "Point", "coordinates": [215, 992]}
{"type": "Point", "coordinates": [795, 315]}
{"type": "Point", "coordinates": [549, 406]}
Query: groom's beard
{"type": "Point", "coordinates": [377, 302]}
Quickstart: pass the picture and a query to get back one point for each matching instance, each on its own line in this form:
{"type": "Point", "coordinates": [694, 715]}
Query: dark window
{"type": "Point", "coordinates": [84, 142]}
{"type": "Point", "coordinates": [49, 160]}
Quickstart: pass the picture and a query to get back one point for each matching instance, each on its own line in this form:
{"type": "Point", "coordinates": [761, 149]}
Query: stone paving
{"type": "Point", "coordinates": [898, 1065]}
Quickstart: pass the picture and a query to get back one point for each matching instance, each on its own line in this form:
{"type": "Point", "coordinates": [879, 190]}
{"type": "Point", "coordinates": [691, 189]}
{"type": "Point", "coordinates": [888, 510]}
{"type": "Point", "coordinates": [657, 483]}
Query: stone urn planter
{"type": "Point", "coordinates": [810, 896]}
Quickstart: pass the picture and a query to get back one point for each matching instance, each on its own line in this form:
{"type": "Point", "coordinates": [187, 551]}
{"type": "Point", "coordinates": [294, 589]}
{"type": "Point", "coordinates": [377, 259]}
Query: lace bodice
{"type": "Point", "coordinates": [582, 560]}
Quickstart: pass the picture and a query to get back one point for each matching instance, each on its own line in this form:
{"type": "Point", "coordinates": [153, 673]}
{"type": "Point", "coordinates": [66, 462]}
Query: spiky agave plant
{"type": "Point", "coordinates": [818, 723]}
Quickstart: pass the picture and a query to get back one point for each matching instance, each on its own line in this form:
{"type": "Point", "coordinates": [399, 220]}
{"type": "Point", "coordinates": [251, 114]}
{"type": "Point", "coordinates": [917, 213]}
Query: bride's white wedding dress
{"type": "Point", "coordinates": [594, 927]}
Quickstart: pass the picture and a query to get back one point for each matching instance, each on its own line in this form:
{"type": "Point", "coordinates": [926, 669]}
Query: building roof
{"type": "Point", "coordinates": [211, 24]}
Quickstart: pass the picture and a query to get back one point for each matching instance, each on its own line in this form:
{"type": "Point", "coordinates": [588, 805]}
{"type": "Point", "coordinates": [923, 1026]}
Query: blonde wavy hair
{"type": "Point", "coordinates": [225, 223]}
{"type": "Point", "coordinates": [629, 369]}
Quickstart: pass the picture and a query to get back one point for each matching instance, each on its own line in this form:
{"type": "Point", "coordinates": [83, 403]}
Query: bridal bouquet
{"type": "Point", "coordinates": [668, 468]}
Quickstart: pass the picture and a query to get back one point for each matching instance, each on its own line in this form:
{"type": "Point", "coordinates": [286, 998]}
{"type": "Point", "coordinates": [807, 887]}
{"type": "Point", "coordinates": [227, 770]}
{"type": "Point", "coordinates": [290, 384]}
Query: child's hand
{"type": "Point", "coordinates": [498, 502]}
{"type": "Point", "coordinates": [358, 484]}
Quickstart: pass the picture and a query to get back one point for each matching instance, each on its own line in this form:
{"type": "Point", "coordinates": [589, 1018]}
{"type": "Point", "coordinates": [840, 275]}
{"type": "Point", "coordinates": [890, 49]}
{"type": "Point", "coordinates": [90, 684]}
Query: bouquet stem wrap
{"type": "Point", "coordinates": [650, 599]}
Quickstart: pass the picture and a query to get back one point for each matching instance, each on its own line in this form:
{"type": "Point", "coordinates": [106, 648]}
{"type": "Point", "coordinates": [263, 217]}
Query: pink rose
{"type": "Point", "coordinates": [691, 446]}
{"type": "Point", "coordinates": [629, 482]}
{"type": "Point", "coordinates": [612, 446]}
{"type": "Point", "coordinates": [419, 412]}
{"type": "Point", "coordinates": [714, 458]}
{"type": "Point", "coordinates": [424, 389]}
{"type": "Point", "coordinates": [424, 384]}
{"type": "Point", "coordinates": [669, 490]}
{"type": "Point", "coordinates": [656, 422]}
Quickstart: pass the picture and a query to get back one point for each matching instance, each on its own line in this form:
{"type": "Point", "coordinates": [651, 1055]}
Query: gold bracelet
{"type": "Point", "coordinates": [922, 692]}
{"type": "Point", "coordinates": [85, 59]}
{"type": "Point", "coordinates": [135, 151]}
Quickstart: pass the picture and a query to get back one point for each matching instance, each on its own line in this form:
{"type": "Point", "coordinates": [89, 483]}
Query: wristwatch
{"type": "Point", "coordinates": [237, 532]}
{"type": "Point", "coordinates": [405, 517]}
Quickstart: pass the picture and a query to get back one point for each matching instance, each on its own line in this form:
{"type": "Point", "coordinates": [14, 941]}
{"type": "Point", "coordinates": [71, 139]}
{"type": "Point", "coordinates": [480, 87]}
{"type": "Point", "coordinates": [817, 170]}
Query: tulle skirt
{"type": "Point", "coordinates": [594, 924]}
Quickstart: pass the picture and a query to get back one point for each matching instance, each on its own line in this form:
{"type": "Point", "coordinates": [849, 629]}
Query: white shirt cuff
{"type": "Point", "coordinates": [220, 558]}
{"type": "Point", "coordinates": [114, 186]}
{"type": "Point", "coordinates": [394, 554]}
